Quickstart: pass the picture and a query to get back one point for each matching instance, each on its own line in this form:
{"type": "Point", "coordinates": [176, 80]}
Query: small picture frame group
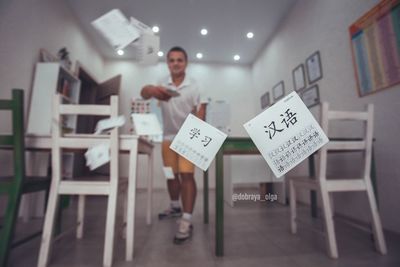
{"type": "Point", "coordinates": [310, 96]}
{"type": "Point", "coordinates": [278, 91]}
{"type": "Point", "coordinates": [265, 100]}
{"type": "Point", "coordinates": [314, 67]}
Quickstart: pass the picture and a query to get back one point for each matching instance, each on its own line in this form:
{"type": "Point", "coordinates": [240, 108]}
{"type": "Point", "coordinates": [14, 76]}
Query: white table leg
{"type": "Point", "coordinates": [149, 188]}
{"type": "Point", "coordinates": [130, 223]}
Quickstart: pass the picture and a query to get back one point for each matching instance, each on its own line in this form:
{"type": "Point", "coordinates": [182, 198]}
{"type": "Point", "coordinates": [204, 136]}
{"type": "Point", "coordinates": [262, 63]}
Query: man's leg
{"type": "Point", "coordinates": [174, 189]}
{"type": "Point", "coordinates": [189, 191]}
{"type": "Point", "coordinates": [170, 159]}
{"type": "Point", "coordinates": [188, 195]}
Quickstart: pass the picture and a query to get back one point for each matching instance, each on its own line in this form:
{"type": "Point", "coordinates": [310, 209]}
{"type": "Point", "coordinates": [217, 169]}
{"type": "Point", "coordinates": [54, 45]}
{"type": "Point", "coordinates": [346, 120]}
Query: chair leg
{"type": "Point", "coordinates": [131, 198]}
{"type": "Point", "coordinates": [48, 226]}
{"type": "Point", "coordinates": [329, 226]}
{"type": "Point", "coordinates": [81, 216]}
{"type": "Point", "coordinates": [10, 220]}
{"type": "Point", "coordinates": [110, 227]}
{"type": "Point", "coordinates": [380, 243]}
{"type": "Point", "coordinates": [124, 214]}
{"type": "Point", "coordinates": [293, 215]}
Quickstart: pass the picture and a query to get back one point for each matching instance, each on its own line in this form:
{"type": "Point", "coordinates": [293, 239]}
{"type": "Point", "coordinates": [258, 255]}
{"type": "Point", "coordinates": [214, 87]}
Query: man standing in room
{"type": "Point", "coordinates": [175, 108]}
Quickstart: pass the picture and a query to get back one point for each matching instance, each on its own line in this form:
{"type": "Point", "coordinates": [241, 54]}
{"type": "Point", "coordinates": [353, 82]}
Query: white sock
{"type": "Point", "coordinates": [175, 204]}
{"type": "Point", "coordinates": [187, 216]}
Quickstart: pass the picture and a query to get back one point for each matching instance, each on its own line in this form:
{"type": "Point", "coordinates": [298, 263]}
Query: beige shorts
{"type": "Point", "coordinates": [171, 159]}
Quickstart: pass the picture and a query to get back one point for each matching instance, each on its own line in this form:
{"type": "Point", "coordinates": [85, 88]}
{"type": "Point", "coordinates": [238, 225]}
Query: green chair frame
{"type": "Point", "coordinates": [17, 185]}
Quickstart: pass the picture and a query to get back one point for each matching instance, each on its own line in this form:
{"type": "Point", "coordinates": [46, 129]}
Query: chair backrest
{"type": "Point", "coordinates": [71, 141]}
{"type": "Point", "coordinates": [16, 140]}
{"type": "Point", "coordinates": [348, 144]}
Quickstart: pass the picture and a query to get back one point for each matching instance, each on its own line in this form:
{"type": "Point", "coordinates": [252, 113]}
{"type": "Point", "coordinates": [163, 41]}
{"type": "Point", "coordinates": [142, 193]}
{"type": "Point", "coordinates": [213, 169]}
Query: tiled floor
{"type": "Point", "coordinates": [256, 234]}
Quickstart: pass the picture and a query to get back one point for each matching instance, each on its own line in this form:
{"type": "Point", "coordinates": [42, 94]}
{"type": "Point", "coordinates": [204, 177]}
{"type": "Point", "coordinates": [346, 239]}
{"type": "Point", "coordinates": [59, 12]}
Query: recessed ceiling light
{"type": "Point", "coordinates": [203, 31]}
{"type": "Point", "coordinates": [236, 57]}
{"type": "Point", "coordinates": [120, 52]}
{"type": "Point", "coordinates": [160, 53]}
{"type": "Point", "coordinates": [250, 35]}
{"type": "Point", "coordinates": [199, 55]}
{"type": "Point", "coordinates": [155, 29]}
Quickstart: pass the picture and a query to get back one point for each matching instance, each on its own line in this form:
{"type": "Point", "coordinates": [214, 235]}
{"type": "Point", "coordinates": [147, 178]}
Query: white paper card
{"type": "Point", "coordinates": [286, 134]}
{"type": "Point", "coordinates": [146, 124]}
{"type": "Point", "coordinates": [116, 28]}
{"type": "Point", "coordinates": [107, 124]}
{"type": "Point", "coordinates": [148, 47]}
{"type": "Point", "coordinates": [97, 156]}
{"type": "Point", "coordinates": [198, 142]}
{"type": "Point", "coordinates": [168, 173]}
{"type": "Point", "coordinates": [173, 92]}
{"type": "Point", "coordinates": [143, 28]}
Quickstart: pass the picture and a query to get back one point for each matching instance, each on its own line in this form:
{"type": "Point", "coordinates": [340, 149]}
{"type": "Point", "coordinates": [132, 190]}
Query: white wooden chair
{"type": "Point", "coordinates": [326, 186]}
{"type": "Point", "coordinates": [72, 187]}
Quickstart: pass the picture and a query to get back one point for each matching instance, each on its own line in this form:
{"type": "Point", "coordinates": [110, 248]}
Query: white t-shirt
{"type": "Point", "coordinates": [176, 109]}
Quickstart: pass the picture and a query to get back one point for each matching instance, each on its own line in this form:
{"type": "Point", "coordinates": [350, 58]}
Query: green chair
{"type": "Point", "coordinates": [17, 185]}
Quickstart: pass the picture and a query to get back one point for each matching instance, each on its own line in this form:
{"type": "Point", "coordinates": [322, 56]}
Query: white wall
{"type": "Point", "coordinates": [27, 26]}
{"type": "Point", "coordinates": [323, 25]}
{"type": "Point", "coordinates": [228, 82]}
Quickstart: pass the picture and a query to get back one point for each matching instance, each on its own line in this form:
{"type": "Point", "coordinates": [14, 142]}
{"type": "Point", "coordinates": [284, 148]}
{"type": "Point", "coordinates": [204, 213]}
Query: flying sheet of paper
{"type": "Point", "coordinates": [173, 92]}
{"type": "Point", "coordinates": [148, 47]}
{"type": "Point", "coordinates": [108, 124]}
{"type": "Point", "coordinates": [198, 141]}
{"type": "Point", "coordinates": [97, 156]}
{"type": "Point", "coordinates": [116, 28]}
{"type": "Point", "coordinates": [286, 133]}
{"type": "Point", "coordinates": [143, 28]}
{"type": "Point", "coordinates": [146, 124]}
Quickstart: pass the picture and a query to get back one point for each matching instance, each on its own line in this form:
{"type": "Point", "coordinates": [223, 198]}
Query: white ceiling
{"type": "Point", "coordinates": [180, 22]}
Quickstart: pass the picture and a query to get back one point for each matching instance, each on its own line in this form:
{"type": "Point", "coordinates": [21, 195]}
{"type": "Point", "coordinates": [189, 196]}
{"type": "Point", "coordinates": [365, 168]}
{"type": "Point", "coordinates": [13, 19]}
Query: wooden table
{"type": "Point", "coordinates": [231, 146]}
{"type": "Point", "coordinates": [131, 144]}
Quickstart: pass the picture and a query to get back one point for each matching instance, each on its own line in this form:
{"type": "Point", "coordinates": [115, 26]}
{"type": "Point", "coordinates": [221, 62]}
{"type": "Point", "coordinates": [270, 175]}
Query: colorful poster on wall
{"type": "Point", "coordinates": [375, 41]}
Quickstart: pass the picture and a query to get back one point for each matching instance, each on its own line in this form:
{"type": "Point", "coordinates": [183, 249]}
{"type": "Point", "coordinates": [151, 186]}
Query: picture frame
{"type": "Point", "coordinates": [46, 56]}
{"type": "Point", "coordinates": [265, 100]}
{"type": "Point", "coordinates": [299, 78]}
{"type": "Point", "coordinates": [310, 96]}
{"type": "Point", "coordinates": [314, 67]}
{"type": "Point", "coordinates": [278, 91]}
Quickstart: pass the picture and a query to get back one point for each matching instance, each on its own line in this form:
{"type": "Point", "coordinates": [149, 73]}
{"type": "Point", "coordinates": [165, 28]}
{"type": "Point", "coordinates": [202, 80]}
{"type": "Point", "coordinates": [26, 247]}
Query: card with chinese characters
{"type": "Point", "coordinates": [286, 134]}
{"type": "Point", "coordinates": [198, 142]}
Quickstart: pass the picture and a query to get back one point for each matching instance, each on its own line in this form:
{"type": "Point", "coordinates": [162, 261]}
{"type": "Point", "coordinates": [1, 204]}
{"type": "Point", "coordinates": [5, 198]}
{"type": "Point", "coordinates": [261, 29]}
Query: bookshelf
{"type": "Point", "coordinates": [51, 78]}
{"type": "Point", "coordinates": [80, 87]}
{"type": "Point", "coordinates": [92, 92]}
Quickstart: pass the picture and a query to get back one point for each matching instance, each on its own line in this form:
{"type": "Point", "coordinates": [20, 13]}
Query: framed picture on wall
{"type": "Point", "coordinates": [314, 68]}
{"type": "Point", "coordinates": [278, 91]}
{"type": "Point", "coordinates": [310, 96]}
{"type": "Point", "coordinates": [265, 100]}
{"type": "Point", "coordinates": [299, 80]}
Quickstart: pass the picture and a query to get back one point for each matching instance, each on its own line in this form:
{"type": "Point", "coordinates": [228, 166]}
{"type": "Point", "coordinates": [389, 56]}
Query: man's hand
{"type": "Point", "coordinates": [158, 92]}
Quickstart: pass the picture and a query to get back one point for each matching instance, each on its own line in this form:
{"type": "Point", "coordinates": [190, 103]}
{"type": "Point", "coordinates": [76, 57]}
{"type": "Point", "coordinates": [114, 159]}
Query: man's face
{"type": "Point", "coordinates": [176, 63]}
